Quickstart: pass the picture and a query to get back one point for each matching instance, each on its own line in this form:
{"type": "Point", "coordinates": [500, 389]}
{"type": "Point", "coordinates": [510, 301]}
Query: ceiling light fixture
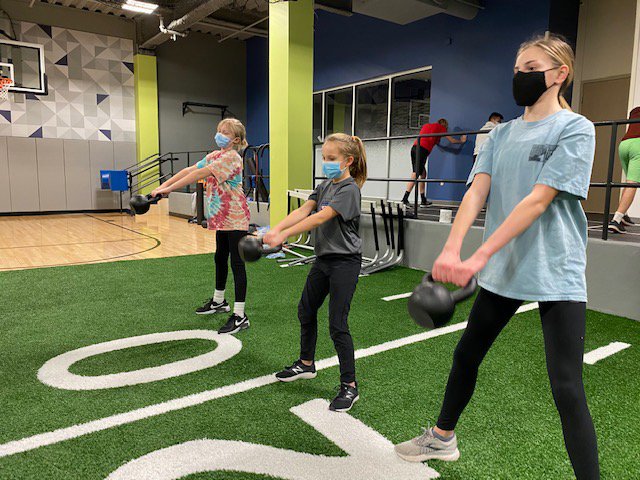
{"type": "Point", "coordinates": [140, 7]}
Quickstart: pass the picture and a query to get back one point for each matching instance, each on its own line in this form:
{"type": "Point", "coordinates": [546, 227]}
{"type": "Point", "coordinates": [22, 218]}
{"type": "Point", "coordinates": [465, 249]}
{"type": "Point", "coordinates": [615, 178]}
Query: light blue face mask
{"type": "Point", "coordinates": [222, 140]}
{"type": "Point", "coordinates": [332, 170]}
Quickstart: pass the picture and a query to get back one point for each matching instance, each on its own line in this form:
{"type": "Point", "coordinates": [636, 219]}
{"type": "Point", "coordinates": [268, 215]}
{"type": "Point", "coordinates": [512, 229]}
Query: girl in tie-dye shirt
{"type": "Point", "coordinates": [227, 213]}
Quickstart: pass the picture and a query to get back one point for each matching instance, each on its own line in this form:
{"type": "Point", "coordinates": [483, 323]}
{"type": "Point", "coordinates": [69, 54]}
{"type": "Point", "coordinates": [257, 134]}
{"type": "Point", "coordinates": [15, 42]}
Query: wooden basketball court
{"type": "Point", "coordinates": [73, 239]}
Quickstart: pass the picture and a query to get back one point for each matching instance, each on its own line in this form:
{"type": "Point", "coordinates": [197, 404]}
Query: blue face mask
{"type": "Point", "coordinates": [222, 140]}
{"type": "Point", "coordinates": [332, 170]}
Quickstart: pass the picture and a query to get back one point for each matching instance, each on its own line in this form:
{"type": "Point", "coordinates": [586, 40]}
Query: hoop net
{"type": "Point", "coordinates": [5, 83]}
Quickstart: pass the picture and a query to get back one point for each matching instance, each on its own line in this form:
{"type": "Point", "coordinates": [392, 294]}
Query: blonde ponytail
{"type": "Point", "coordinates": [564, 104]}
{"type": "Point", "coordinates": [352, 146]}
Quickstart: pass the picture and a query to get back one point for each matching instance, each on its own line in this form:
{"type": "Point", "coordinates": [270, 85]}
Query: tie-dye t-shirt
{"type": "Point", "coordinates": [225, 203]}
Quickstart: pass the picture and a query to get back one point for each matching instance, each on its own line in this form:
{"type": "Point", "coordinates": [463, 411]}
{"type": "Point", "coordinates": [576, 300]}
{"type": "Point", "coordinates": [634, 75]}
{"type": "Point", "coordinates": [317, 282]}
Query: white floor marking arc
{"type": "Point", "coordinates": [598, 354]}
{"type": "Point", "coordinates": [68, 433]}
{"type": "Point", "coordinates": [55, 372]}
{"type": "Point", "coordinates": [371, 456]}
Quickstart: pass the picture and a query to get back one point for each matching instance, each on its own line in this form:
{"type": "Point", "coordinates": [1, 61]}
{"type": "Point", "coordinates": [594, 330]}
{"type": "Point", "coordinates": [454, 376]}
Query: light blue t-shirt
{"type": "Point", "coordinates": [547, 262]}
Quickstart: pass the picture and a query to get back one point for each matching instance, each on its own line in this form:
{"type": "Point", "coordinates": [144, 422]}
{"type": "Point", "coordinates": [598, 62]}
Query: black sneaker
{"type": "Point", "coordinates": [405, 202]}
{"type": "Point", "coordinates": [235, 324]}
{"type": "Point", "coordinates": [617, 227]}
{"type": "Point", "coordinates": [296, 371]}
{"type": "Point", "coordinates": [627, 221]}
{"type": "Point", "coordinates": [213, 307]}
{"type": "Point", "coordinates": [426, 203]}
{"type": "Point", "coordinates": [345, 399]}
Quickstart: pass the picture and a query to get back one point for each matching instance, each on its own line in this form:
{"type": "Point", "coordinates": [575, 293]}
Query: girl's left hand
{"type": "Point", "coordinates": [464, 271]}
{"type": "Point", "coordinates": [162, 192]}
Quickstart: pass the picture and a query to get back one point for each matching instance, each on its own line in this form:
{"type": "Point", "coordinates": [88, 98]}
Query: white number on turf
{"type": "Point", "coordinates": [371, 456]}
{"type": "Point", "coordinates": [56, 371]}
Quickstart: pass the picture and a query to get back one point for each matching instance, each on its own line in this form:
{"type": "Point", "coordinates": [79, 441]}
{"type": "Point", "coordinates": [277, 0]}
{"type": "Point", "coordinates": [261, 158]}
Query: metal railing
{"type": "Point", "coordinates": [608, 185]}
{"type": "Point", "coordinates": [253, 176]}
{"type": "Point", "coordinates": [176, 161]}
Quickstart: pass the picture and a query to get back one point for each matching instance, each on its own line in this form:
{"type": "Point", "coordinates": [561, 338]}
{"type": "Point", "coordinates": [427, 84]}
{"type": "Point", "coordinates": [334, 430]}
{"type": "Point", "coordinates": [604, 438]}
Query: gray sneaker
{"type": "Point", "coordinates": [428, 447]}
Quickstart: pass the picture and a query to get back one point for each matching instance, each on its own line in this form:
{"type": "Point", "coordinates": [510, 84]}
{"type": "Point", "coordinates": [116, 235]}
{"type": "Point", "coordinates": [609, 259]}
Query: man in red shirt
{"type": "Point", "coordinates": [420, 154]}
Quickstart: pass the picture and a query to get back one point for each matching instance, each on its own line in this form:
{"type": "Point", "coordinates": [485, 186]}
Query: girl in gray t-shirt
{"type": "Point", "coordinates": [333, 211]}
{"type": "Point", "coordinates": [534, 171]}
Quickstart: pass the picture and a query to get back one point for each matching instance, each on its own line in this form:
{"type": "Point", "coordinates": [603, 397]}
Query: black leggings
{"type": "Point", "coordinates": [563, 327]}
{"type": "Point", "coordinates": [336, 276]}
{"type": "Point", "coordinates": [227, 243]}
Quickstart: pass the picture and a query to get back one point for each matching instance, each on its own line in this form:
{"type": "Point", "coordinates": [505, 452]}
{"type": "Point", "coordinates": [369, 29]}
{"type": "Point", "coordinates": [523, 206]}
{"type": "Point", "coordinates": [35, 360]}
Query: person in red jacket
{"type": "Point", "coordinates": [420, 153]}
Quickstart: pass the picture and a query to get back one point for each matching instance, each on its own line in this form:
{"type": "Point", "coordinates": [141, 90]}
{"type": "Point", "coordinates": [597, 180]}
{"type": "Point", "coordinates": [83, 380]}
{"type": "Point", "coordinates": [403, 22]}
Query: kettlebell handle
{"type": "Point", "coordinates": [269, 250]}
{"type": "Point", "coordinates": [154, 200]}
{"type": "Point", "coordinates": [460, 294]}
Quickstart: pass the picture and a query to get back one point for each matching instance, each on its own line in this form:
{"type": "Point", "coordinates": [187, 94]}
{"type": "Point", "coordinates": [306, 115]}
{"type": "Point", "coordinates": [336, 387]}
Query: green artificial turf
{"type": "Point", "coordinates": [510, 430]}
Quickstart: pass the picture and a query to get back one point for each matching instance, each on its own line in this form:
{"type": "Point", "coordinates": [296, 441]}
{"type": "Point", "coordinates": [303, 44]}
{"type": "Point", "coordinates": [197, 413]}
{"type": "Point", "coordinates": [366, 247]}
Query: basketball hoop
{"type": "Point", "coordinates": [5, 83]}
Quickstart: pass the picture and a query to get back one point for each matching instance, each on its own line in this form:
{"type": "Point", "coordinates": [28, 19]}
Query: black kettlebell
{"type": "Point", "coordinates": [251, 248]}
{"type": "Point", "coordinates": [141, 204]}
{"type": "Point", "coordinates": [431, 305]}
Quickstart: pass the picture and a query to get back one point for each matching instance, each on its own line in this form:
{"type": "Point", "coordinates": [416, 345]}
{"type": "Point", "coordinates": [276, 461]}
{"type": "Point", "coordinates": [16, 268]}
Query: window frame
{"type": "Point", "coordinates": [389, 78]}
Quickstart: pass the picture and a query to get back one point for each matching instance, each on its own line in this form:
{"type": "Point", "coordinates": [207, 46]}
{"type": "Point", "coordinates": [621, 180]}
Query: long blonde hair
{"type": "Point", "coordinates": [352, 146]}
{"type": "Point", "coordinates": [560, 52]}
{"type": "Point", "coordinates": [238, 130]}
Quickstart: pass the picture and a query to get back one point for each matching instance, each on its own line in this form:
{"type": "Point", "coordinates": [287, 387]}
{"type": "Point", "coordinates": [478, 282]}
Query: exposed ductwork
{"type": "Point", "coordinates": [191, 18]}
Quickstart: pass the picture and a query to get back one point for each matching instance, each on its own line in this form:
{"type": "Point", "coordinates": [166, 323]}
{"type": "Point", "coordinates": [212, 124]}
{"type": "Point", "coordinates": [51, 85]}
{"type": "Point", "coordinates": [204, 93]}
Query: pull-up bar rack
{"type": "Point", "coordinates": [224, 109]}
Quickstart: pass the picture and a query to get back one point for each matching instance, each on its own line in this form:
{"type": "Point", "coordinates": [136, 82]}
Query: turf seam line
{"type": "Point", "coordinates": [67, 433]}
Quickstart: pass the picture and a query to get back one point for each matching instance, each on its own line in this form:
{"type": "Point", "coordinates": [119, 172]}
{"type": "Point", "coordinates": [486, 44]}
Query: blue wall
{"type": "Point", "coordinates": [472, 67]}
{"type": "Point", "coordinates": [258, 95]}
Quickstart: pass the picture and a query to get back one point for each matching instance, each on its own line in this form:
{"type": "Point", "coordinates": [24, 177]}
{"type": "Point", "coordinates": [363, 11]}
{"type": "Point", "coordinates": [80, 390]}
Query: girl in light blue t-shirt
{"type": "Point", "coordinates": [534, 171]}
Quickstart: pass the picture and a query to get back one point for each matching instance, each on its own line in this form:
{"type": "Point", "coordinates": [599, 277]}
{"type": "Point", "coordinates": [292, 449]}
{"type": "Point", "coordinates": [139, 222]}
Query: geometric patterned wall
{"type": "Point", "coordinates": [91, 88]}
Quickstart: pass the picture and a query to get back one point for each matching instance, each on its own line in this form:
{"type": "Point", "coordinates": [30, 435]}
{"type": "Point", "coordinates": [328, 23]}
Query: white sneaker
{"type": "Point", "coordinates": [428, 447]}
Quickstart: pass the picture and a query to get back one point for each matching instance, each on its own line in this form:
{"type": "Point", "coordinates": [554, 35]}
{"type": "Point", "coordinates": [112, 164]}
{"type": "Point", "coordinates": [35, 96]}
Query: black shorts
{"type": "Point", "coordinates": [422, 162]}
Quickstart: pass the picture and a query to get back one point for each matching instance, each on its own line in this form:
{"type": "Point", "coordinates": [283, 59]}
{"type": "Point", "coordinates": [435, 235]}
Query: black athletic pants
{"type": "Point", "coordinates": [227, 244]}
{"type": "Point", "coordinates": [336, 276]}
{"type": "Point", "coordinates": [563, 327]}
{"type": "Point", "coordinates": [423, 153]}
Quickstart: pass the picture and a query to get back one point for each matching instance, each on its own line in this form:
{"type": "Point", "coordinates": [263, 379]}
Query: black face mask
{"type": "Point", "coordinates": [528, 87]}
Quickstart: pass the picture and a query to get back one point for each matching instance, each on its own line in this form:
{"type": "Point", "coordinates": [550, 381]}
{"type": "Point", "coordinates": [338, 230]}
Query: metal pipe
{"type": "Point", "coordinates": [235, 34]}
{"type": "Point", "coordinates": [607, 199]}
{"type": "Point", "coordinates": [231, 27]}
{"type": "Point", "coordinates": [475, 132]}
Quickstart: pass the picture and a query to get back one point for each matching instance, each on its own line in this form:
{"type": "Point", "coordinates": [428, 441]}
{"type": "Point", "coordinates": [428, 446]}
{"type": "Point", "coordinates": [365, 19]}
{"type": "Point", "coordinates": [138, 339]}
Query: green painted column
{"type": "Point", "coordinates": [290, 100]}
{"type": "Point", "coordinates": [147, 130]}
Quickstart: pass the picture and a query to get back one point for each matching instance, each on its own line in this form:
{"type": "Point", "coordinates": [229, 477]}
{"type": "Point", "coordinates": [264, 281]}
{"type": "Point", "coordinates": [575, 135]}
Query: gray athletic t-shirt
{"type": "Point", "coordinates": [340, 235]}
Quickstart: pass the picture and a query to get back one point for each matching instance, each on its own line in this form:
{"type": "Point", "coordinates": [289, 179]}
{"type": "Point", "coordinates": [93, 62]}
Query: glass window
{"type": "Point", "coordinates": [338, 111]}
{"type": "Point", "coordinates": [410, 102]}
{"type": "Point", "coordinates": [317, 117]}
{"type": "Point", "coordinates": [371, 109]}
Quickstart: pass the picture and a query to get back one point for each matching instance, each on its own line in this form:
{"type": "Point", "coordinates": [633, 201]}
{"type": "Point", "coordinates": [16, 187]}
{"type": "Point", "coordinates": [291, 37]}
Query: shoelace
{"type": "Point", "coordinates": [344, 389]}
{"type": "Point", "coordinates": [427, 434]}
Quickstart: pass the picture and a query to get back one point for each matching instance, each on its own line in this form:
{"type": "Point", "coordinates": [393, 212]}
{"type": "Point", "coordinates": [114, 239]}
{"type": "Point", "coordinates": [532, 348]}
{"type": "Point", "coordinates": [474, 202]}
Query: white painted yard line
{"type": "Point", "coordinates": [396, 297]}
{"type": "Point", "coordinates": [75, 431]}
{"type": "Point", "coordinates": [527, 307]}
{"type": "Point", "coordinates": [598, 354]}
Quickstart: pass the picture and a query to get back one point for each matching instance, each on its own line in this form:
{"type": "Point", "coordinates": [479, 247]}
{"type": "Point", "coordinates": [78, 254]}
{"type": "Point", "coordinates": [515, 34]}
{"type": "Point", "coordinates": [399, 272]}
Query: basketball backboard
{"type": "Point", "coordinates": [24, 64]}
